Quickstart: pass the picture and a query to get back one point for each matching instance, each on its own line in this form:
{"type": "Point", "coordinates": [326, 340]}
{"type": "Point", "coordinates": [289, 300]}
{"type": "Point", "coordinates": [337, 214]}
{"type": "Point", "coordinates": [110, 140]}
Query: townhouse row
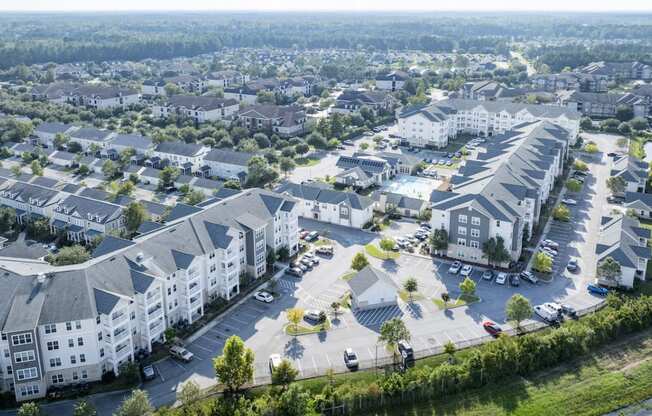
{"type": "Point", "coordinates": [73, 324]}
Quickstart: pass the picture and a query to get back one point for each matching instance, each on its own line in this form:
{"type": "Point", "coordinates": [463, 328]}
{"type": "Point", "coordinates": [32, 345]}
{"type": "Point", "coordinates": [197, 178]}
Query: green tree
{"type": "Point", "coordinates": [335, 307]}
{"type": "Point", "coordinates": [391, 332]}
{"type": "Point", "coordinates": [83, 170]}
{"type": "Point", "coordinates": [359, 262]}
{"type": "Point", "coordinates": [573, 185]}
{"type": "Point", "coordinates": [591, 148]}
{"type": "Point", "coordinates": [235, 367]}
{"type": "Point", "coordinates": [7, 219]}
{"type": "Point", "coordinates": [83, 408]}
{"type": "Point", "coordinates": [232, 184]}
{"type": "Point", "coordinates": [580, 165]}
{"type": "Point", "coordinates": [284, 374]}
{"type": "Point", "coordinates": [29, 409]}
{"type": "Point", "coordinates": [449, 349]}
{"type": "Point", "coordinates": [38, 229]}
{"type": "Point", "coordinates": [109, 169]}
{"type": "Point", "coordinates": [624, 112]}
{"type": "Point", "coordinates": [172, 89]}
{"type": "Point", "coordinates": [494, 251]}
{"type": "Point", "coordinates": [260, 172]}
{"type": "Point", "coordinates": [71, 255]}
{"type": "Point", "coordinates": [190, 398]}
{"type": "Point", "coordinates": [638, 123]}
{"type": "Point", "coordinates": [542, 263]}
{"type": "Point", "coordinates": [167, 176]}
{"type": "Point", "coordinates": [616, 184]}
{"type": "Point", "coordinates": [387, 245]}
{"type": "Point", "coordinates": [295, 315]}
{"type": "Point", "coordinates": [467, 286]}
{"type": "Point", "coordinates": [411, 286]}
{"type": "Point", "coordinates": [136, 405]}
{"type": "Point", "coordinates": [439, 240]}
{"type": "Point", "coordinates": [135, 214]}
{"type": "Point", "coordinates": [445, 297]}
{"type": "Point", "coordinates": [193, 197]}
{"type": "Point", "coordinates": [294, 402]}
{"type": "Point", "coordinates": [15, 170]}
{"type": "Point", "coordinates": [586, 123]}
{"type": "Point", "coordinates": [36, 168]}
{"type": "Point", "coordinates": [286, 165]}
{"type": "Point", "coordinates": [561, 213]}
{"type": "Point", "coordinates": [60, 140]}
{"type": "Point", "coordinates": [518, 309]}
{"type": "Point", "coordinates": [609, 269]}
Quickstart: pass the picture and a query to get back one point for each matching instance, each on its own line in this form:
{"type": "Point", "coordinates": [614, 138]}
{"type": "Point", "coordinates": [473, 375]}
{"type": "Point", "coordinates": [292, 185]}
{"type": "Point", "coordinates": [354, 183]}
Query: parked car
{"type": "Point", "coordinates": [299, 265]}
{"type": "Point", "coordinates": [598, 290]}
{"type": "Point", "coordinates": [406, 350]}
{"type": "Point", "coordinates": [581, 173]}
{"type": "Point", "coordinates": [295, 271]}
{"type": "Point", "coordinates": [350, 359]}
{"type": "Point", "coordinates": [303, 234]}
{"type": "Point", "coordinates": [572, 265]}
{"type": "Point", "coordinates": [569, 201]}
{"type": "Point", "coordinates": [488, 275]}
{"type": "Point", "coordinates": [312, 236]}
{"type": "Point", "coordinates": [525, 275]}
{"type": "Point", "coordinates": [492, 328]}
{"type": "Point", "coordinates": [263, 296]}
{"type": "Point", "coordinates": [274, 361]}
{"type": "Point", "coordinates": [312, 315]}
{"type": "Point", "coordinates": [466, 270]}
{"type": "Point", "coordinates": [306, 262]}
{"type": "Point", "coordinates": [455, 267]}
{"type": "Point", "coordinates": [314, 259]}
{"type": "Point", "coordinates": [181, 353]}
{"type": "Point", "coordinates": [550, 250]}
{"type": "Point", "coordinates": [325, 250]}
{"type": "Point", "coordinates": [616, 200]}
{"type": "Point", "coordinates": [149, 373]}
{"type": "Point", "coordinates": [501, 278]}
{"type": "Point", "coordinates": [546, 313]}
{"type": "Point", "coordinates": [514, 280]}
{"type": "Point", "coordinates": [556, 307]}
{"type": "Point", "coordinates": [550, 243]}
{"type": "Point", "coordinates": [569, 311]}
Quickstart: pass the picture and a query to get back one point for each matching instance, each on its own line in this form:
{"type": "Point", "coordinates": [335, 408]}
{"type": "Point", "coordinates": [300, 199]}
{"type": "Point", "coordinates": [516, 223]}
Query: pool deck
{"type": "Point", "coordinates": [412, 186]}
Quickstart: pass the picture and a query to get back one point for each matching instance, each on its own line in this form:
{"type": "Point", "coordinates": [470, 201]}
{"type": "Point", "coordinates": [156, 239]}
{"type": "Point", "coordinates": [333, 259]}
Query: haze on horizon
{"type": "Point", "coordinates": [333, 5]}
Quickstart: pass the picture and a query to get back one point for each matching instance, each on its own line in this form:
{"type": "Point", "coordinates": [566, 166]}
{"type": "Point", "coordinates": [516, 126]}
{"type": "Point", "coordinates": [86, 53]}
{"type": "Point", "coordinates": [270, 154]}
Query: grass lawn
{"type": "Point", "coordinates": [348, 275]}
{"type": "Point", "coordinates": [375, 251]}
{"type": "Point", "coordinates": [405, 296]}
{"type": "Point", "coordinates": [306, 161]}
{"type": "Point", "coordinates": [323, 242]}
{"type": "Point", "coordinates": [461, 301]}
{"type": "Point", "coordinates": [615, 376]}
{"type": "Point", "coordinates": [637, 147]}
{"type": "Point", "coordinates": [304, 328]}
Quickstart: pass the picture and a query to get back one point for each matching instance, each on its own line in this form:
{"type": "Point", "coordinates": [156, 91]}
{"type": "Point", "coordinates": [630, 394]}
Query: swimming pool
{"type": "Point", "coordinates": [412, 186]}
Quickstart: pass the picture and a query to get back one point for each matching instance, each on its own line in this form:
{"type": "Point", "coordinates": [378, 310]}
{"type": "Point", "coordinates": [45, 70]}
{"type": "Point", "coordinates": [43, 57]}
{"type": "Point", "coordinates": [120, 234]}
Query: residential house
{"type": "Point", "coordinates": [84, 219]}
{"type": "Point", "coordinates": [46, 132]}
{"type": "Point", "coordinates": [153, 88]}
{"type": "Point", "coordinates": [102, 97]}
{"type": "Point", "coordinates": [640, 203]}
{"type": "Point", "coordinates": [30, 201]}
{"type": "Point", "coordinates": [619, 71]}
{"type": "Point", "coordinates": [227, 78]}
{"type": "Point", "coordinates": [88, 137]}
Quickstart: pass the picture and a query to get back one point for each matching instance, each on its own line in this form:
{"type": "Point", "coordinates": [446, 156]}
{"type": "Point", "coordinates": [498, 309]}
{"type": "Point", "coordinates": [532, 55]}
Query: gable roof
{"type": "Point", "coordinates": [368, 277]}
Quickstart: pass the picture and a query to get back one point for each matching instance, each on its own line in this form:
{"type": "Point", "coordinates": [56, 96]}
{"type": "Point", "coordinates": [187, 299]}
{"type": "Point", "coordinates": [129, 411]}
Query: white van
{"type": "Point", "coordinates": [546, 313]}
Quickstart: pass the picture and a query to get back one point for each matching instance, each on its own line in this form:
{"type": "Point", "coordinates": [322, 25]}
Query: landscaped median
{"type": "Point", "coordinates": [306, 329]}
{"type": "Point", "coordinates": [375, 251]}
{"type": "Point", "coordinates": [462, 300]}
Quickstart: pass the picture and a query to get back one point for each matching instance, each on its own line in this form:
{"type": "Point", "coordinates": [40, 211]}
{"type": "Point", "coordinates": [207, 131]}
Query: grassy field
{"type": "Point", "coordinates": [306, 161]}
{"type": "Point", "coordinates": [613, 377]}
{"type": "Point", "coordinates": [374, 251]}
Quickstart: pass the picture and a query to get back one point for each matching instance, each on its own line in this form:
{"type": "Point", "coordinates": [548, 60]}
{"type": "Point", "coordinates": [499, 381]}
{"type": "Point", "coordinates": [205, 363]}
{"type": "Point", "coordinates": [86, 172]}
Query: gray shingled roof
{"type": "Point", "coordinates": [179, 148]}
{"type": "Point", "coordinates": [366, 278]}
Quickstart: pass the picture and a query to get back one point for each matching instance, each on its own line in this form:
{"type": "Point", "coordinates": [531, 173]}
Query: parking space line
{"type": "Point", "coordinates": [178, 364]}
{"type": "Point", "coordinates": [241, 322]}
{"type": "Point", "coordinates": [158, 370]}
{"type": "Point", "coordinates": [299, 366]}
{"type": "Point", "coordinates": [330, 365]}
{"type": "Point", "coordinates": [314, 363]}
{"type": "Point", "coordinates": [371, 354]}
{"type": "Point", "coordinates": [195, 344]}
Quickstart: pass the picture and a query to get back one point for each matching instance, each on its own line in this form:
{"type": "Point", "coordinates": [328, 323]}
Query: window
{"type": "Point", "coordinates": [73, 359]}
{"type": "Point", "coordinates": [84, 374]}
{"type": "Point", "coordinates": [475, 220]}
{"type": "Point", "coordinates": [497, 223]}
{"type": "Point", "coordinates": [50, 328]}
{"type": "Point", "coordinates": [101, 352]}
{"type": "Point", "coordinates": [475, 232]}
{"type": "Point", "coordinates": [97, 320]}
{"type": "Point", "coordinates": [75, 376]}
{"type": "Point", "coordinates": [26, 373]}
{"type": "Point", "coordinates": [80, 341]}
{"type": "Point", "coordinates": [474, 244]}
{"type": "Point", "coordinates": [57, 378]}
{"type": "Point", "coordinates": [7, 354]}
{"type": "Point", "coordinates": [99, 336]}
{"type": "Point", "coordinates": [71, 342]}
{"type": "Point", "coordinates": [55, 362]}
{"type": "Point", "coordinates": [23, 356]}
{"type": "Point", "coordinates": [461, 242]}
{"type": "Point", "coordinates": [69, 325]}
{"type": "Point", "coordinates": [82, 358]}
{"type": "Point", "coordinates": [29, 390]}
{"type": "Point", "coordinates": [77, 324]}
{"type": "Point", "coordinates": [461, 230]}
{"type": "Point", "coordinates": [9, 370]}
{"type": "Point", "coordinates": [53, 345]}
{"type": "Point", "coordinates": [462, 219]}
{"type": "Point", "coordinates": [21, 339]}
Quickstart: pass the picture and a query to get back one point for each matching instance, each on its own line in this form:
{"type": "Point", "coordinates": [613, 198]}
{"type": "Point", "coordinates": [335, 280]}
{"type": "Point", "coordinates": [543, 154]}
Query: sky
{"type": "Point", "coordinates": [321, 5]}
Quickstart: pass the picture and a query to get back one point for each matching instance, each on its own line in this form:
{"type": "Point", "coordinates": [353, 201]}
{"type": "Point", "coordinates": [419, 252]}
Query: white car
{"type": "Point", "coordinates": [568, 201]}
{"type": "Point", "coordinates": [263, 296]}
{"type": "Point", "coordinates": [274, 361]}
{"type": "Point", "coordinates": [501, 278]}
{"type": "Point", "coordinates": [466, 270]}
{"type": "Point", "coordinates": [550, 243]}
{"type": "Point", "coordinates": [455, 268]}
{"type": "Point", "coordinates": [550, 251]}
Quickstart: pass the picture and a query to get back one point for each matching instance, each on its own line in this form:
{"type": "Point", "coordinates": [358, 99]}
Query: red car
{"type": "Point", "coordinates": [303, 234]}
{"type": "Point", "coordinates": [492, 328]}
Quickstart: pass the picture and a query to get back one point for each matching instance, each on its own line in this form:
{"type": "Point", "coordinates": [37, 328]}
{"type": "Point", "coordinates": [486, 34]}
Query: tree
{"type": "Point", "coordinates": [15, 170]}
{"type": "Point", "coordinates": [591, 148]}
{"type": "Point", "coordinates": [293, 402]}
{"type": "Point", "coordinates": [445, 297]}
{"type": "Point", "coordinates": [335, 307]}
{"type": "Point", "coordinates": [71, 255]}
{"type": "Point", "coordinates": [109, 169]}
{"type": "Point", "coordinates": [439, 240]}
{"type": "Point", "coordinates": [494, 250]}
{"type": "Point", "coordinates": [386, 244]}
{"type": "Point", "coordinates": [391, 332]}
{"type": "Point", "coordinates": [542, 263]}
{"type": "Point", "coordinates": [284, 373]}
{"type": "Point", "coordinates": [638, 123]}
{"type": "Point", "coordinates": [38, 229]}
{"type": "Point", "coordinates": [193, 197]}
{"type": "Point", "coordinates": [586, 123]}
{"type": "Point", "coordinates": [260, 173]}
{"type": "Point", "coordinates": [7, 219]}
{"type": "Point", "coordinates": [135, 214]}
{"type": "Point", "coordinates": [136, 405]}
{"type": "Point", "coordinates": [580, 165]}
{"type": "Point", "coordinates": [449, 348]}
{"type": "Point", "coordinates": [467, 286]}
{"type": "Point", "coordinates": [359, 262]}
{"type": "Point", "coordinates": [167, 176]}
{"type": "Point", "coordinates": [29, 409]}
{"type": "Point", "coordinates": [411, 285]}
{"type": "Point", "coordinates": [232, 184]}
{"type": "Point", "coordinates": [190, 397]}
{"type": "Point", "coordinates": [561, 213]}
{"type": "Point", "coordinates": [83, 170]}
{"type": "Point", "coordinates": [609, 269]}
{"type": "Point", "coordinates": [573, 185]}
{"type": "Point", "coordinates": [172, 89]}
{"type": "Point", "coordinates": [286, 165]}
{"type": "Point", "coordinates": [616, 184]}
{"type": "Point", "coordinates": [60, 140]}
{"type": "Point", "coordinates": [235, 367]}
{"type": "Point", "coordinates": [295, 315]}
{"type": "Point", "coordinates": [316, 140]}
{"type": "Point", "coordinates": [518, 309]}
{"type": "Point", "coordinates": [624, 112]}
{"type": "Point", "coordinates": [83, 408]}
{"type": "Point", "coordinates": [36, 168]}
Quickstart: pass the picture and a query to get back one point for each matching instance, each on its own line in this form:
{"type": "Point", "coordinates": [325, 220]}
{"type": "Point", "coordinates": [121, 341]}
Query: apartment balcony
{"type": "Point", "coordinates": [193, 288]}
{"type": "Point", "coordinates": [118, 336]}
{"type": "Point", "coordinates": [122, 352]}
{"type": "Point", "coordinates": [153, 298]}
{"type": "Point", "coordinates": [154, 312]}
{"type": "Point", "coordinates": [119, 319]}
{"type": "Point", "coordinates": [195, 302]}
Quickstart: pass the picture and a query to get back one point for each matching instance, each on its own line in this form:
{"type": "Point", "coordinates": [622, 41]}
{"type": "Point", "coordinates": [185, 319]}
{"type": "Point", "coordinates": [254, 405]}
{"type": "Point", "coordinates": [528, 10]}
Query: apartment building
{"type": "Point", "coordinates": [75, 323]}
{"type": "Point", "coordinates": [228, 164]}
{"type": "Point", "coordinates": [186, 156]}
{"type": "Point", "coordinates": [597, 105]}
{"type": "Point", "coordinates": [88, 137]}
{"type": "Point", "coordinates": [569, 81]}
{"type": "Point", "coordinates": [633, 171]}
{"type": "Point", "coordinates": [431, 126]}
{"type": "Point", "coordinates": [29, 201]}
{"type": "Point", "coordinates": [46, 132]}
{"type": "Point", "coordinates": [227, 78]}
{"type": "Point", "coordinates": [351, 101]}
{"type": "Point", "coordinates": [499, 193]}
{"type": "Point", "coordinates": [283, 120]}
{"type": "Point", "coordinates": [197, 108]}
{"type": "Point", "coordinates": [102, 97]}
{"type": "Point", "coordinates": [189, 83]}
{"type": "Point", "coordinates": [619, 71]}
{"type": "Point", "coordinates": [153, 88]}
{"type": "Point", "coordinates": [391, 81]}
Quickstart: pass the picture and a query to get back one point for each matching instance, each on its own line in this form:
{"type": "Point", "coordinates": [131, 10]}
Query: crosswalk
{"type": "Point", "coordinates": [376, 317]}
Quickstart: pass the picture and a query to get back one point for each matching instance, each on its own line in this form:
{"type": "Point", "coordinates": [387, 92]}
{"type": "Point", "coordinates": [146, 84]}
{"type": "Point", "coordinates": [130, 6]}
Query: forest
{"type": "Point", "coordinates": [41, 38]}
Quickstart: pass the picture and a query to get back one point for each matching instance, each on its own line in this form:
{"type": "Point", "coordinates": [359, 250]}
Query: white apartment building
{"type": "Point", "coordinates": [197, 108]}
{"type": "Point", "coordinates": [433, 125]}
{"type": "Point", "coordinates": [75, 323]}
